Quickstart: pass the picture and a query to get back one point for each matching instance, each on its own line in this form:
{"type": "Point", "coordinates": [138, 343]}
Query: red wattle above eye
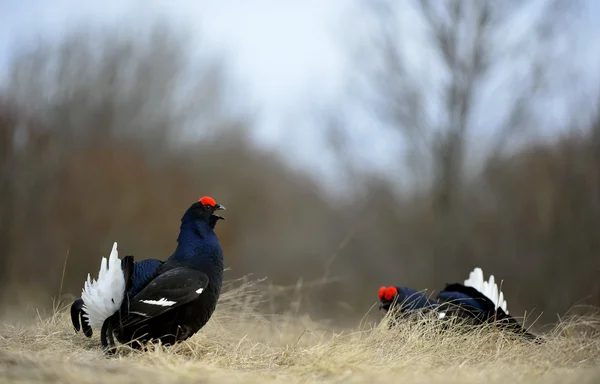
{"type": "Point", "coordinates": [381, 292]}
{"type": "Point", "coordinates": [207, 200]}
{"type": "Point", "coordinates": [389, 293]}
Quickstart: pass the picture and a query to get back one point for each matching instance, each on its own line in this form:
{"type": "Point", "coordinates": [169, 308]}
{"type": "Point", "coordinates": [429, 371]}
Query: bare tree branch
{"type": "Point", "coordinates": [468, 37]}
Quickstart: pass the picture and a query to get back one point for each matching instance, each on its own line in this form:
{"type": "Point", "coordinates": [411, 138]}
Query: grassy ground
{"type": "Point", "coordinates": [242, 345]}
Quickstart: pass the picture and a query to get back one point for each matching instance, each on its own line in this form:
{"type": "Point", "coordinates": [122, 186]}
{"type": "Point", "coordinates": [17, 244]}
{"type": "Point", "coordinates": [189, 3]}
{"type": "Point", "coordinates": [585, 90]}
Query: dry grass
{"type": "Point", "coordinates": [241, 344]}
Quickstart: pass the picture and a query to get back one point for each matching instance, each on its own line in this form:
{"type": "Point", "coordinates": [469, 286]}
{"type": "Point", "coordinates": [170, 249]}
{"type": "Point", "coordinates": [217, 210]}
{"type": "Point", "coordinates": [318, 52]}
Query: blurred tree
{"type": "Point", "coordinates": [112, 107]}
{"type": "Point", "coordinates": [109, 137]}
{"type": "Point", "coordinates": [131, 130]}
{"type": "Point", "coordinates": [469, 46]}
{"type": "Point", "coordinates": [7, 131]}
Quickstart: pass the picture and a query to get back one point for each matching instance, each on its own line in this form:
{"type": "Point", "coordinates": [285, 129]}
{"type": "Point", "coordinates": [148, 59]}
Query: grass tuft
{"type": "Point", "coordinates": [242, 343]}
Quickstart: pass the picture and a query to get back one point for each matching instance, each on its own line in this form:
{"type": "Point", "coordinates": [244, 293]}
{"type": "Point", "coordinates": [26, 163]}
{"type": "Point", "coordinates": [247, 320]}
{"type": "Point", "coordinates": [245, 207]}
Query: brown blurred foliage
{"type": "Point", "coordinates": [97, 146]}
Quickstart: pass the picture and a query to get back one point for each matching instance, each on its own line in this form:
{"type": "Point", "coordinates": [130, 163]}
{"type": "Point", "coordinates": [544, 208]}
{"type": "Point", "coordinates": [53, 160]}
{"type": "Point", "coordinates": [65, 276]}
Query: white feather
{"type": "Point", "coordinates": [488, 288]}
{"type": "Point", "coordinates": [162, 302]}
{"type": "Point", "coordinates": [103, 297]}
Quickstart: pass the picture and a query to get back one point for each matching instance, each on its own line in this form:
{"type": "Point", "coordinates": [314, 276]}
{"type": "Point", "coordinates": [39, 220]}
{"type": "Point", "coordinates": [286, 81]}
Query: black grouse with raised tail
{"type": "Point", "coordinates": [155, 300]}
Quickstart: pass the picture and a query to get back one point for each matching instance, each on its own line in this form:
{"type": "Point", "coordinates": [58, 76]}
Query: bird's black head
{"type": "Point", "coordinates": [197, 241]}
{"type": "Point", "coordinates": [204, 210]}
{"type": "Point", "coordinates": [386, 297]}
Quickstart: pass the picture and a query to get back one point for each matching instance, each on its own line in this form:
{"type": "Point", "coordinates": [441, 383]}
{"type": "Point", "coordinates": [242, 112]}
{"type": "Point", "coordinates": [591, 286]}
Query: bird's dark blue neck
{"type": "Point", "coordinates": [198, 245]}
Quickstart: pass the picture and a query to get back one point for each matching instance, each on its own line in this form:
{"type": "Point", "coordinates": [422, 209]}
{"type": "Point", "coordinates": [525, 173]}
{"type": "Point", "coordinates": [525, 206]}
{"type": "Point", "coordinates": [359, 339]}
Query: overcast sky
{"type": "Point", "coordinates": [278, 49]}
{"type": "Point", "coordinates": [289, 55]}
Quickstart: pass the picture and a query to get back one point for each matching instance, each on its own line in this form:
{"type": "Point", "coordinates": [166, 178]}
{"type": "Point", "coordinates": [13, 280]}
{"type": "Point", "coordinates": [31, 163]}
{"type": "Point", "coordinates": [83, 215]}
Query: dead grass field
{"type": "Point", "coordinates": [240, 344]}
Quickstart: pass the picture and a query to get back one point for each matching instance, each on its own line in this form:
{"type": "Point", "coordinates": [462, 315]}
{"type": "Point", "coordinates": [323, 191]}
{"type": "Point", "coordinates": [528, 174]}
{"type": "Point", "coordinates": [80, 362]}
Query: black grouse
{"type": "Point", "coordinates": [476, 301]}
{"type": "Point", "coordinates": [155, 300]}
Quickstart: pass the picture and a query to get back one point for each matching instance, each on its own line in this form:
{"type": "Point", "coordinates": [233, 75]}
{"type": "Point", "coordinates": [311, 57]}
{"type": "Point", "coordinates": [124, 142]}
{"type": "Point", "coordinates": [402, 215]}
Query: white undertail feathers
{"type": "Point", "coordinates": [103, 297]}
{"type": "Point", "coordinates": [488, 288]}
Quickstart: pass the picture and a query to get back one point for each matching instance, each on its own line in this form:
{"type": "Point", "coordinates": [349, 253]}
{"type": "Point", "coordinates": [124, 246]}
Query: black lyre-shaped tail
{"type": "Point", "coordinates": [492, 314]}
{"type": "Point", "coordinates": [127, 267]}
{"type": "Point", "coordinates": [107, 339]}
{"type": "Point", "coordinates": [79, 321]}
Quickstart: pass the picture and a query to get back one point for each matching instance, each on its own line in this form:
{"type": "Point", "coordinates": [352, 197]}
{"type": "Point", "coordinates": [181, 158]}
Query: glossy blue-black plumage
{"type": "Point", "coordinates": [198, 246]}
{"type": "Point", "coordinates": [143, 272]}
{"type": "Point", "coordinates": [459, 298]}
{"type": "Point", "coordinates": [411, 299]}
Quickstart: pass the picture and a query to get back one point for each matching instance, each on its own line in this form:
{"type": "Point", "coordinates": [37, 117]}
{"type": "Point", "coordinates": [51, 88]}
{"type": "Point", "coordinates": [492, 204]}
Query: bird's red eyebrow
{"type": "Point", "coordinates": [381, 292]}
{"type": "Point", "coordinates": [389, 293]}
{"type": "Point", "coordinates": [207, 200]}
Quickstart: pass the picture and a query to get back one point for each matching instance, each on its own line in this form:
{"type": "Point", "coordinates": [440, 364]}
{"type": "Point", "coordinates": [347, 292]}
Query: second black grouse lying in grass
{"type": "Point", "coordinates": [155, 300]}
{"type": "Point", "coordinates": [476, 302]}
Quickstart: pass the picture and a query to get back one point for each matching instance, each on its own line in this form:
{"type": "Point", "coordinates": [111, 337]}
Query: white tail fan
{"type": "Point", "coordinates": [488, 288]}
{"type": "Point", "coordinates": [103, 297]}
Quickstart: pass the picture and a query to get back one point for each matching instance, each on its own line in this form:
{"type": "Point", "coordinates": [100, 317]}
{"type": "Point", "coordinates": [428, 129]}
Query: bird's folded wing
{"type": "Point", "coordinates": [168, 290]}
{"type": "Point", "coordinates": [468, 298]}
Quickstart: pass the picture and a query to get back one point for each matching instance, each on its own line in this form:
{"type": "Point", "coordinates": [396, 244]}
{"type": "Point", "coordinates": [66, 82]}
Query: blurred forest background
{"type": "Point", "coordinates": [107, 136]}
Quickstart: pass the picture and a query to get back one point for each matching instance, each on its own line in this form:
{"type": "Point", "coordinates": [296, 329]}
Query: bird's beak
{"type": "Point", "coordinates": [385, 305]}
{"type": "Point", "coordinates": [219, 217]}
{"type": "Point", "coordinates": [219, 207]}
